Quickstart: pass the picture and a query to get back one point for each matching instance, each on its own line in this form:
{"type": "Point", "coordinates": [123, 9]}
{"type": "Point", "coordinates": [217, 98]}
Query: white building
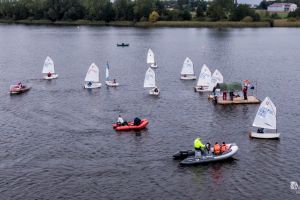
{"type": "Point", "coordinates": [282, 7]}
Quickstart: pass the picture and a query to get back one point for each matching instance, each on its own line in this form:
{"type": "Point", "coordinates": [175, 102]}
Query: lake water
{"type": "Point", "coordinates": [56, 141]}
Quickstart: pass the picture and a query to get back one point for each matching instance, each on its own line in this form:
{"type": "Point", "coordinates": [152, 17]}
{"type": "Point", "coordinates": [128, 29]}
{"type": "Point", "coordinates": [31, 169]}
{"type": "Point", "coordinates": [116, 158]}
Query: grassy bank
{"type": "Point", "coordinates": [142, 24]}
{"type": "Point", "coordinates": [203, 24]}
{"type": "Point", "coordinates": [286, 23]}
{"type": "Point", "coordinates": [276, 23]}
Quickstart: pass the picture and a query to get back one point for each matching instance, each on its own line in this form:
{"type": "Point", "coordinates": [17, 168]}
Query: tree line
{"type": "Point", "coordinates": [126, 10]}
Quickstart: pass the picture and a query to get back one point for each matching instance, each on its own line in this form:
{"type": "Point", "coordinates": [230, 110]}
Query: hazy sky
{"type": "Point", "coordinates": [250, 1]}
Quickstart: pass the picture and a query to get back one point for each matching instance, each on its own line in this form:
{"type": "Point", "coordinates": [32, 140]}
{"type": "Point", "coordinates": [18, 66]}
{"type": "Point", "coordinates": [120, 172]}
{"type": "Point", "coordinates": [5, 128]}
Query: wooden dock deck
{"type": "Point", "coordinates": [239, 100]}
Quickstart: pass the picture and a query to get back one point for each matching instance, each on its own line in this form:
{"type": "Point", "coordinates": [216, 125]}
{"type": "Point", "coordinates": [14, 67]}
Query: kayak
{"type": "Point", "coordinates": [123, 45]}
{"type": "Point", "coordinates": [131, 126]}
{"type": "Point", "coordinates": [190, 159]}
{"type": "Point", "coordinates": [16, 89]}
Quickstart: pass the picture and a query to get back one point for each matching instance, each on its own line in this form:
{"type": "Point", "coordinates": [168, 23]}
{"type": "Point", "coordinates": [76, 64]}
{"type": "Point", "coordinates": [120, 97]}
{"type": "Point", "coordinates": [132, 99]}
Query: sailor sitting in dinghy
{"type": "Point", "coordinates": [260, 130]}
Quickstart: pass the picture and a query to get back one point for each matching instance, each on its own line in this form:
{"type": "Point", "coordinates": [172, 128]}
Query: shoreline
{"type": "Point", "coordinates": [175, 24]}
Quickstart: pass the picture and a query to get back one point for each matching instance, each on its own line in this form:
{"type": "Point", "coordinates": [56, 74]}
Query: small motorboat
{"type": "Point", "coordinates": [188, 157]}
{"type": "Point", "coordinates": [123, 45]}
{"type": "Point", "coordinates": [131, 126]}
{"type": "Point", "coordinates": [18, 89]}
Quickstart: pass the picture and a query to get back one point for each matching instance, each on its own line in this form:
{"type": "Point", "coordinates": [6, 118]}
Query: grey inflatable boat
{"type": "Point", "coordinates": [192, 160]}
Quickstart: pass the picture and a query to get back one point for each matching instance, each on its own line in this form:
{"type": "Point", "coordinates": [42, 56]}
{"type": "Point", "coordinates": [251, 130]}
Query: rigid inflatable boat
{"type": "Point", "coordinates": [131, 126]}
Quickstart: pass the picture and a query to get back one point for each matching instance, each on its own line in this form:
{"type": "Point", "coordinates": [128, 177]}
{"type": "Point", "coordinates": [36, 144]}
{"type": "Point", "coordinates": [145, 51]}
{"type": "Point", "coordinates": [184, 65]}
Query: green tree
{"type": "Point", "coordinates": [241, 11]}
{"type": "Point", "coordinates": [185, 15]}
{"type": "Point", "coordinates": [295, 14]}
{"type": "Point", "coordinates": [143, 8]}
{"type": "Point", "coordinates": [153, 17]}
{"type": "Point", "coordinates": [200, 12]}
{"type": "Point", "coordinates": [220, 9]}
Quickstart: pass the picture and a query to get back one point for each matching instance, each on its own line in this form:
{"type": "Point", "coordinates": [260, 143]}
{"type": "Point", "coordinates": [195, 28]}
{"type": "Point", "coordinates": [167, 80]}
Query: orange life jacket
{"type": "Point", "coordinates": [223, 148]}
{"type": "Point", "coordinates": [217, 149]}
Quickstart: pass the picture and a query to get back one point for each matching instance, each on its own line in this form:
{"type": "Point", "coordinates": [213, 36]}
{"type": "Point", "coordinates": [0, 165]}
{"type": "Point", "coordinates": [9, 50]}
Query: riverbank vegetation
{"type": "Point", "coordinates": [182, 13]}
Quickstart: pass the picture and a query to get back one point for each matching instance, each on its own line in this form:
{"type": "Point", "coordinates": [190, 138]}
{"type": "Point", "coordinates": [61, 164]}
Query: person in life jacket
{"type": "Point", "coordinates": [198, 145]}
{"type": "Point", "coordinates": [223, 147]}
{"type": "Point", "coordinates": [217, 149]}
{"type": "Point", "coordinates": [49, 74]}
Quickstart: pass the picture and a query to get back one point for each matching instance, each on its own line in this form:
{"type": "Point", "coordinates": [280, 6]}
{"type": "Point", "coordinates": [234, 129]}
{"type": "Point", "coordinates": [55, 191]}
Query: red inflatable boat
{"type": "Point", "coordinates": [130, 126]}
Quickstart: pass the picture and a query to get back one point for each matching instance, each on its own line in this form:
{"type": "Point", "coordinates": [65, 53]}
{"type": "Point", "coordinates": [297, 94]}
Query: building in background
{"type": "Point", "coordinates": [282, 7]}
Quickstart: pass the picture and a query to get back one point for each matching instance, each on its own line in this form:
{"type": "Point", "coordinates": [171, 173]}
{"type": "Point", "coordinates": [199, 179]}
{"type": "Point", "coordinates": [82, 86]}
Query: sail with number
{"type": "Point", "coordinates": [149, 81]}
{"type": "Point", "coordinates": [204, 77]}
{"type": "Point", "coordinates": [266, 115]}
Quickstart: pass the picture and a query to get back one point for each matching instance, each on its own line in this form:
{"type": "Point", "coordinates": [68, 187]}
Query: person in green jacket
{"type": "Point", "coordinates": [199, 146]}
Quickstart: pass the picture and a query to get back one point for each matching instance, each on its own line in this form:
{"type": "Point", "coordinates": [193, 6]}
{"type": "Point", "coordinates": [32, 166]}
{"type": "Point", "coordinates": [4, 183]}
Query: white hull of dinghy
{"type": "Point", "coordinates": [265, 135]}
{"type": "Point", "coordinates": [93, 86]}
{"type": "Point", "coordinates": [152, 92]}
{"type": "Point", "coordinates": [153, 65]}
{"type": "Point", "coordinates": [53, 76]}
{"type": "Point", "coordinates": [111, 84]}
{"type": "Point", "coordinates": [199, 89]}
{"type": "Point", "coordinates": [188, 77]}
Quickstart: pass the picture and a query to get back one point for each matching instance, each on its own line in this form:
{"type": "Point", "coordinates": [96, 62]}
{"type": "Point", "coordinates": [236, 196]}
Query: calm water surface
{"type": "Point", "coordinates": [56, 141]}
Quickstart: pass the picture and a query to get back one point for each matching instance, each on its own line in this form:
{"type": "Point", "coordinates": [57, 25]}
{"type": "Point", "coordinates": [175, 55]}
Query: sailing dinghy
{"type": "Point", "coordinates": [151, 59]}
{"type": "Point", "coordinates": [187, 71]}
{"type": "Point", "coordinates": [108, 82]}
{"type": "Point", "coordinates": [216, 78]}
{"type": "Point", "coordinates": [149, 82]}
{"type": "Point", "coordinates": [92, 77]}
{"type": "Point", "coordinates": [204, 80]}
{"type": "Point", "coordinates": [48, 69]}
{"type": "Point", "coordinates": [265, 119]}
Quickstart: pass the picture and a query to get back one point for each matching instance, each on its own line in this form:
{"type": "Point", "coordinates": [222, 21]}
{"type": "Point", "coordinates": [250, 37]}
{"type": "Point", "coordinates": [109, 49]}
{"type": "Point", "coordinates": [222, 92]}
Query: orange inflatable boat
{"type": "Point", "coordinates": [131, 126]}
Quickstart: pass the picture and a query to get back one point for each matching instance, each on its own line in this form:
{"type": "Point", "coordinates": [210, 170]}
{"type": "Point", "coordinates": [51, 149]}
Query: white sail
{"type": "Point", "coordinates": [216, 78]}
{"type": "Point", "coordinates": [149, 81]}
{"type": "Point", "coordinates": [150, 57]}
{"type": "Point", "coordinates": [107, 72]}
{"type": "Point", "coordinates": [204, 77]}
{"type": "Point", "coordinates": [266, 115]}
{"type": "Point", "coordinates": [188, 67]}
{"type": "Point", "coordinates": [48, 66]}
{"type": "Point", "coordinates": [92, 74]}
